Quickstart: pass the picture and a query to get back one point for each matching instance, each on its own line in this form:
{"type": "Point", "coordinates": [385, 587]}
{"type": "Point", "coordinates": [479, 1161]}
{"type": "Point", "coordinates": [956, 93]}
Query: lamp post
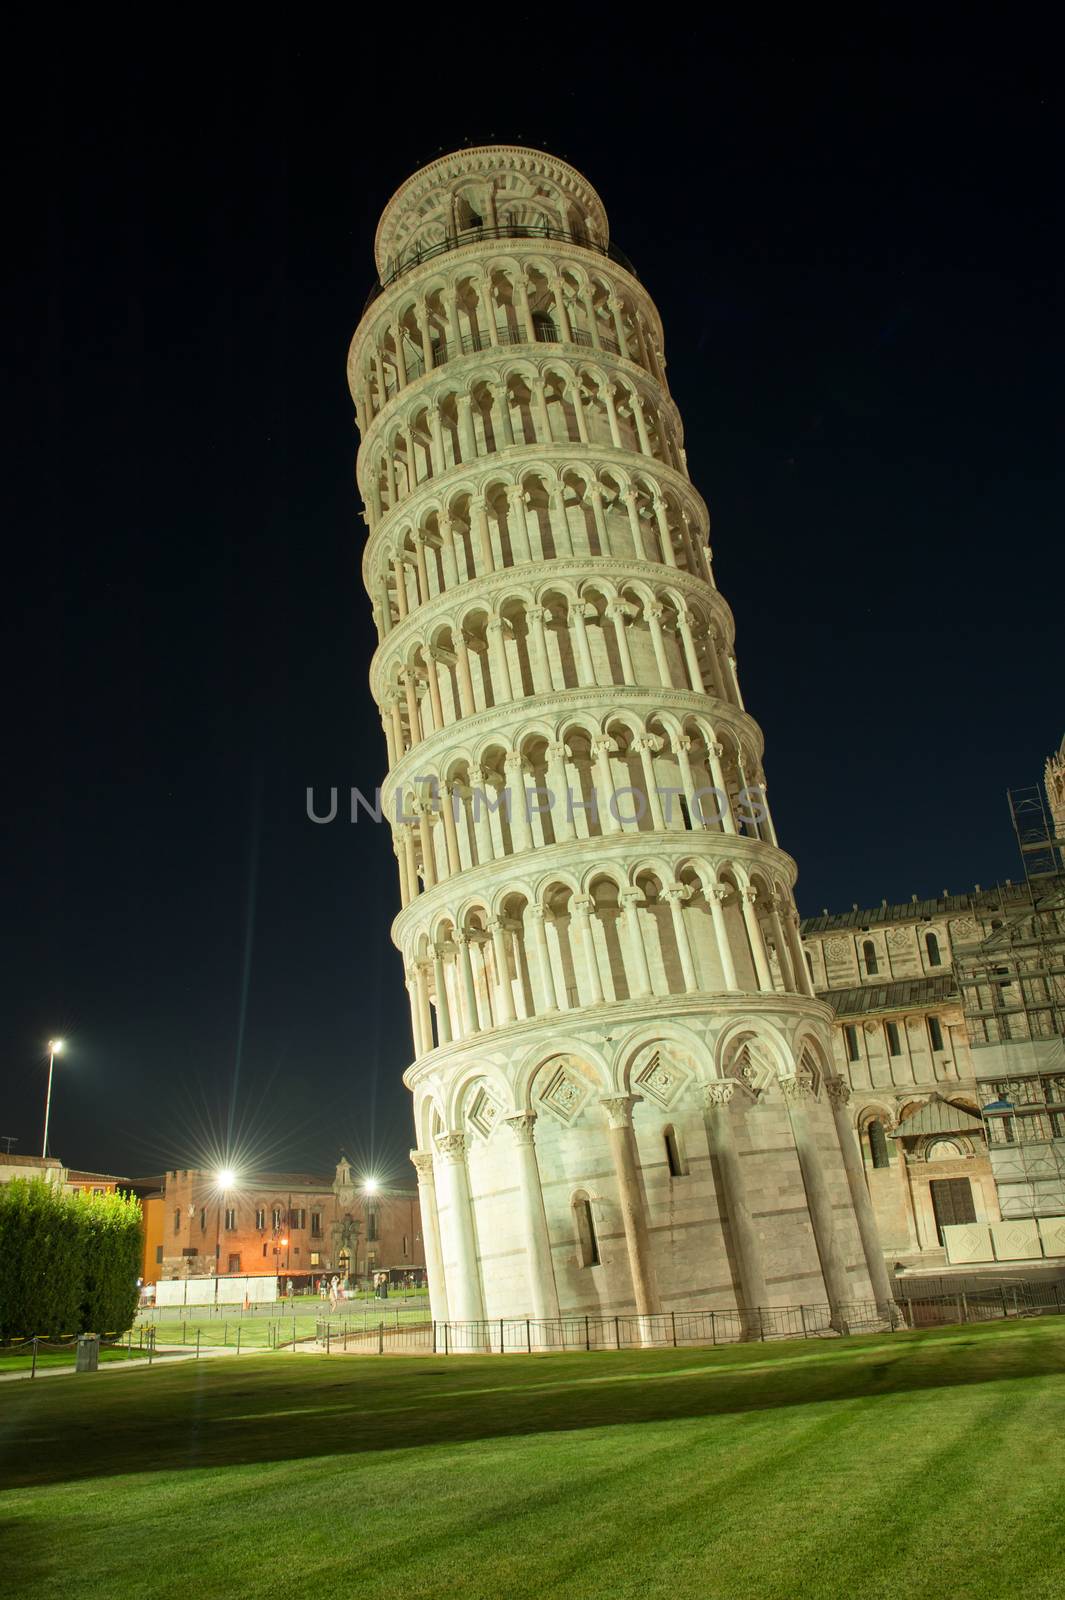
{"type": "Point", "coordinates": [55, 1048]}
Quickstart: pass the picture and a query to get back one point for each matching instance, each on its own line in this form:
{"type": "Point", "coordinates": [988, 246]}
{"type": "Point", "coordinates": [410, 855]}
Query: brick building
{"type": "Point", "coordinates": [294, 1224]}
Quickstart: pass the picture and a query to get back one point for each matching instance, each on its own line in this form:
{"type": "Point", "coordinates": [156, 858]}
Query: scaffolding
{"type": "Point", "coordinates": [1012, 986]}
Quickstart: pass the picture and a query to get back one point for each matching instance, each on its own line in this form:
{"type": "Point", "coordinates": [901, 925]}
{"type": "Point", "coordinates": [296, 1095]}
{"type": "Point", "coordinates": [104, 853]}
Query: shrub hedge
{"type": "Point", "coordinates": [68, 1262]}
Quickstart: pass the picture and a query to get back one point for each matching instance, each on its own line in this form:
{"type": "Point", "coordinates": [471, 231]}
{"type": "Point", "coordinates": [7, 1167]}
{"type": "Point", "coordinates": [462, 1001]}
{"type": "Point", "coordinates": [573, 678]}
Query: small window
{"type": "Point", "coordinates": [372, 1231]}
{"type": "Point", "coordinates": [316, 1224]}
{"type": "Point", "coordinates": [234, 1263]}
{"type": "Point", "coordinates": [931, 944]}
{"type": "Point", "coordinates": [869, 957]}
{"type": "Point", "coordinates": [231, 1218]}
{"type": "Point", "coordinates": [853, 1053]}
{"type": "Point", "coordinates": [265, 1249]}
{"type": "Point", "coordinates": [177, 1220]}
{"type": "Point", "coordinates": [809, 965]}
{"type": "Point", "coordinates": [893, 1042]}
{"type": "Point", "coordinates": [260, 1219]}
{"type": "Point", "coordinates": [935, 1033]}
{"type": "Point", "coordinates": [674, 1159]}
{"type": "Point", "coordinates": [587, 1243]}
{"type": "Point", "coordinates": [316, 1259]}
{"type": "Point", "coordinates": [878, 1150]}
{"type": "Point", "coordinates": [277, 1219]}
{"type": "Point", "coordinates": [203, 1219]}
{"type": "Point", "coordinates": [159, 1255]}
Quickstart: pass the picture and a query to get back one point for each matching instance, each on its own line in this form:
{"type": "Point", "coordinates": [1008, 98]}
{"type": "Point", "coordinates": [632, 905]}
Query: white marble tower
{"type": "Point", "coordinates": [623, 1091]}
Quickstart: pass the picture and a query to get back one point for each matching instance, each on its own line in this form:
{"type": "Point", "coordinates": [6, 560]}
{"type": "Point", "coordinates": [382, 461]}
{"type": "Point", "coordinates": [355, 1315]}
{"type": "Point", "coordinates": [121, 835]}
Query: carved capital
{"type": "Point", "coordinates": [618, 1109]}
{"type": "Point", "coordinates": [582, 905]}
{"type": "Point", "coordinates": [677, 894]}
{"type": "Point", "coordinates": [423, 1165]}
{"type": "Point", "coordinates": [838, 1092]}
{"type": "Point", "coordinates": [522, 1126]}
{"type": "Point", "coordinates": [679, 742]}
{"type": "Point", "coordinates": [796, 1090]}
{"type": "Point", "coordinates": [604, 746]}
{"type": "Point", "coordinates": [716, 1095]}
{"type": "Point", "coordinates": [452, 1147]}
{"type": "Point", "coordinates": [720, 893]}
{"type": "Point", "coordinates": [650, 742]}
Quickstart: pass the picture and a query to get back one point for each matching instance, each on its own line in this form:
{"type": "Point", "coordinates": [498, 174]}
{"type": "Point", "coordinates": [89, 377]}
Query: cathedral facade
{"type": "Point", "coordinates": [625, 1092]}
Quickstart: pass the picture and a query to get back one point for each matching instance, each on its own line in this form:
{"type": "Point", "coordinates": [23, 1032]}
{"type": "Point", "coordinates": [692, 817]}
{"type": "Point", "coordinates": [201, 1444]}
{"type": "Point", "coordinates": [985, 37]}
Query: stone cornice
{"type": "Point", "coordinates": [571, 858]}
{"type": "Point", "coordinates": [506, 581]}
{"type": "Point", "coordinates": [516, 460]}
{"type": "Point", "coordinates": [515, 1038]}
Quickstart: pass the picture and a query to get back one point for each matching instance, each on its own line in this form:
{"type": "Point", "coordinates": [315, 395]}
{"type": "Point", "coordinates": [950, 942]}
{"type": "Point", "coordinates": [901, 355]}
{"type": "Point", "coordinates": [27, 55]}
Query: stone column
{"type": "Point", "coordinates": [602, 749]}
{"type": "Point", "coordinates": [797, 1093]}
{"type": "Point", "coordinates": [665, 538]}
{"type": "Point", "coordinates": [632, 506]}
{"type": "Point", "coordinates": [434, 1263]}
{"type": "Point", "coordinates": [685, 629]}
{"type": "Point", "coordinates": [443, 1011]}
{"type": "Point", "coordinates": [716, 900]}
{"type": "Point", "coordinates": [582, 906]}
{"type": "Point", "coordinates": [464, 1296]}
{"type": "Point", "coordinates": [630, 905]}
{"type": "Point", "coordinates": [585, 670]}
{"type": "Point", "coordinates": [648, 746]}
{"type": "Point", "coordinates": [619, 612]}
{"type": "Point", "coordinates": [675, 896]}
{"type": "Point", "coordinates": [519, 531]}
{"type": "Point", "coordinates": [754, 934]}
{"type": "Point", "coordinates": [502, 966]}
{"type": "Point", "coordinates": [469, 988]}
{"type": "Point", "coordinates": [883, 1288]}
{"type": "Point", "coordinates": [654, 615]}
{"type": "Point", "coordinates": [630, 1197]}
{"type": "Point", "coordinates": [482, 536]}
{"type": "Point", "coordinates": [498, 656]}
{"type": "Point", "coordinates": [520, 831]}
{"type": "Point", "coordinates": [467, 437]}
{"type": "Point", "coordinates": [467, 698]}
{"type": "Point", "coordinates": [725, 1160]}
{"type": "Point", "coordinates": [549, 1000]}
{"type": "Point", "coordinates": [717, 773]}
{"type": "Point", "coordinates": [542, 1287]}
{"type": "Point", "coordinates": [540, 660]}
{"type": "Point", "coordinates": [558, 783]}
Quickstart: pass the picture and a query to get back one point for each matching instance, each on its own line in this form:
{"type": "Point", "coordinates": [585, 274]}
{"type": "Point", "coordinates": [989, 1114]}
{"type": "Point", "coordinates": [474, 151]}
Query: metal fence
{"type": "Point", "coordinates": [510, 1335]}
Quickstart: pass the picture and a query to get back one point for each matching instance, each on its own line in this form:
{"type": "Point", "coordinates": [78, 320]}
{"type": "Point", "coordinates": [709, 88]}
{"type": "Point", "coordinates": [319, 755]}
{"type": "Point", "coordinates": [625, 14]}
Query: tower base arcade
{"type": "Point", "coordinates": [653, 1158]}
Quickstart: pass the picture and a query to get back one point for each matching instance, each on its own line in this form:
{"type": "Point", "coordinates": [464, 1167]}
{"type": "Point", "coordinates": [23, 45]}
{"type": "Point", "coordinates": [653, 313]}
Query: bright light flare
{"type": "Point", "coordinates": [226, 1178]}
{"type": "Point", "coordinates": [56, 1046]}
{"type": "Point", "coordinates": [370, 1186]}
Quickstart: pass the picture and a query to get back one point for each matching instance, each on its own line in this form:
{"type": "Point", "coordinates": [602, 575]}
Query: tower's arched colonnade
{"type": "Point", "coordinates": [623, 1091]}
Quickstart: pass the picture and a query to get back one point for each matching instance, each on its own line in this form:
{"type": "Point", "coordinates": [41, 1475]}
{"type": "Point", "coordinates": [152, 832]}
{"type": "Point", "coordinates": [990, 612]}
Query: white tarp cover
{"type": "Point", "coordinates": [211, 1291]}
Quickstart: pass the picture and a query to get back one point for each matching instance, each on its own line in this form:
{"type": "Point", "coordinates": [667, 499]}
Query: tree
{"type": "Point", "coordinates": [68, 1263]}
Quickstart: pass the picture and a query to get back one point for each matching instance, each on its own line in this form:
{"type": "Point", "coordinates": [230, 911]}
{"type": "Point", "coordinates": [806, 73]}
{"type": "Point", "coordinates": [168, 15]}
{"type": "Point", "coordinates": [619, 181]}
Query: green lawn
{"type": "Point", "coordinates": [923, 1466]}
{"type": "Point", "coordinates": [257, 1331]}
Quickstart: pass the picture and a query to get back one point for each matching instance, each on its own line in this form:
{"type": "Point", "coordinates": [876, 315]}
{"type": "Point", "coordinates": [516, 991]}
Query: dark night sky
{"type": "Point", "coordinates": [856, 263]}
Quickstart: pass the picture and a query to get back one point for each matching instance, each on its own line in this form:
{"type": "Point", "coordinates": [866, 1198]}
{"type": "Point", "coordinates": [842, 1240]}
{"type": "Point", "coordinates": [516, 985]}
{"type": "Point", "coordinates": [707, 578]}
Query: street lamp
{"type": "Point", "coordinates": [55, 1048]}
{"type": "Point", "coordinates": [225, 1179]}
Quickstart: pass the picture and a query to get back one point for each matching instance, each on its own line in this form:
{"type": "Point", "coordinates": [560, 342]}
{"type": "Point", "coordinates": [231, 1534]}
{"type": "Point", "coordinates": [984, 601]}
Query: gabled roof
{"type": "Point", "coordinates": [938, 1116]}
{"type": "Point", "coordinates": [904, 994]}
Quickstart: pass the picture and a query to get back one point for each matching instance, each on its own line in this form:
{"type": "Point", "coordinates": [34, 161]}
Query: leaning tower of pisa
{"type": "Point", "coordinates": [623, 1096]}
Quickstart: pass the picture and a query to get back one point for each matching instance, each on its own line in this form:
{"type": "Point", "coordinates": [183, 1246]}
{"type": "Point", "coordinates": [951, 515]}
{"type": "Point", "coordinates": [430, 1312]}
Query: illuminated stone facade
{"type": "Point", "coordinates": [624, 1090]}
